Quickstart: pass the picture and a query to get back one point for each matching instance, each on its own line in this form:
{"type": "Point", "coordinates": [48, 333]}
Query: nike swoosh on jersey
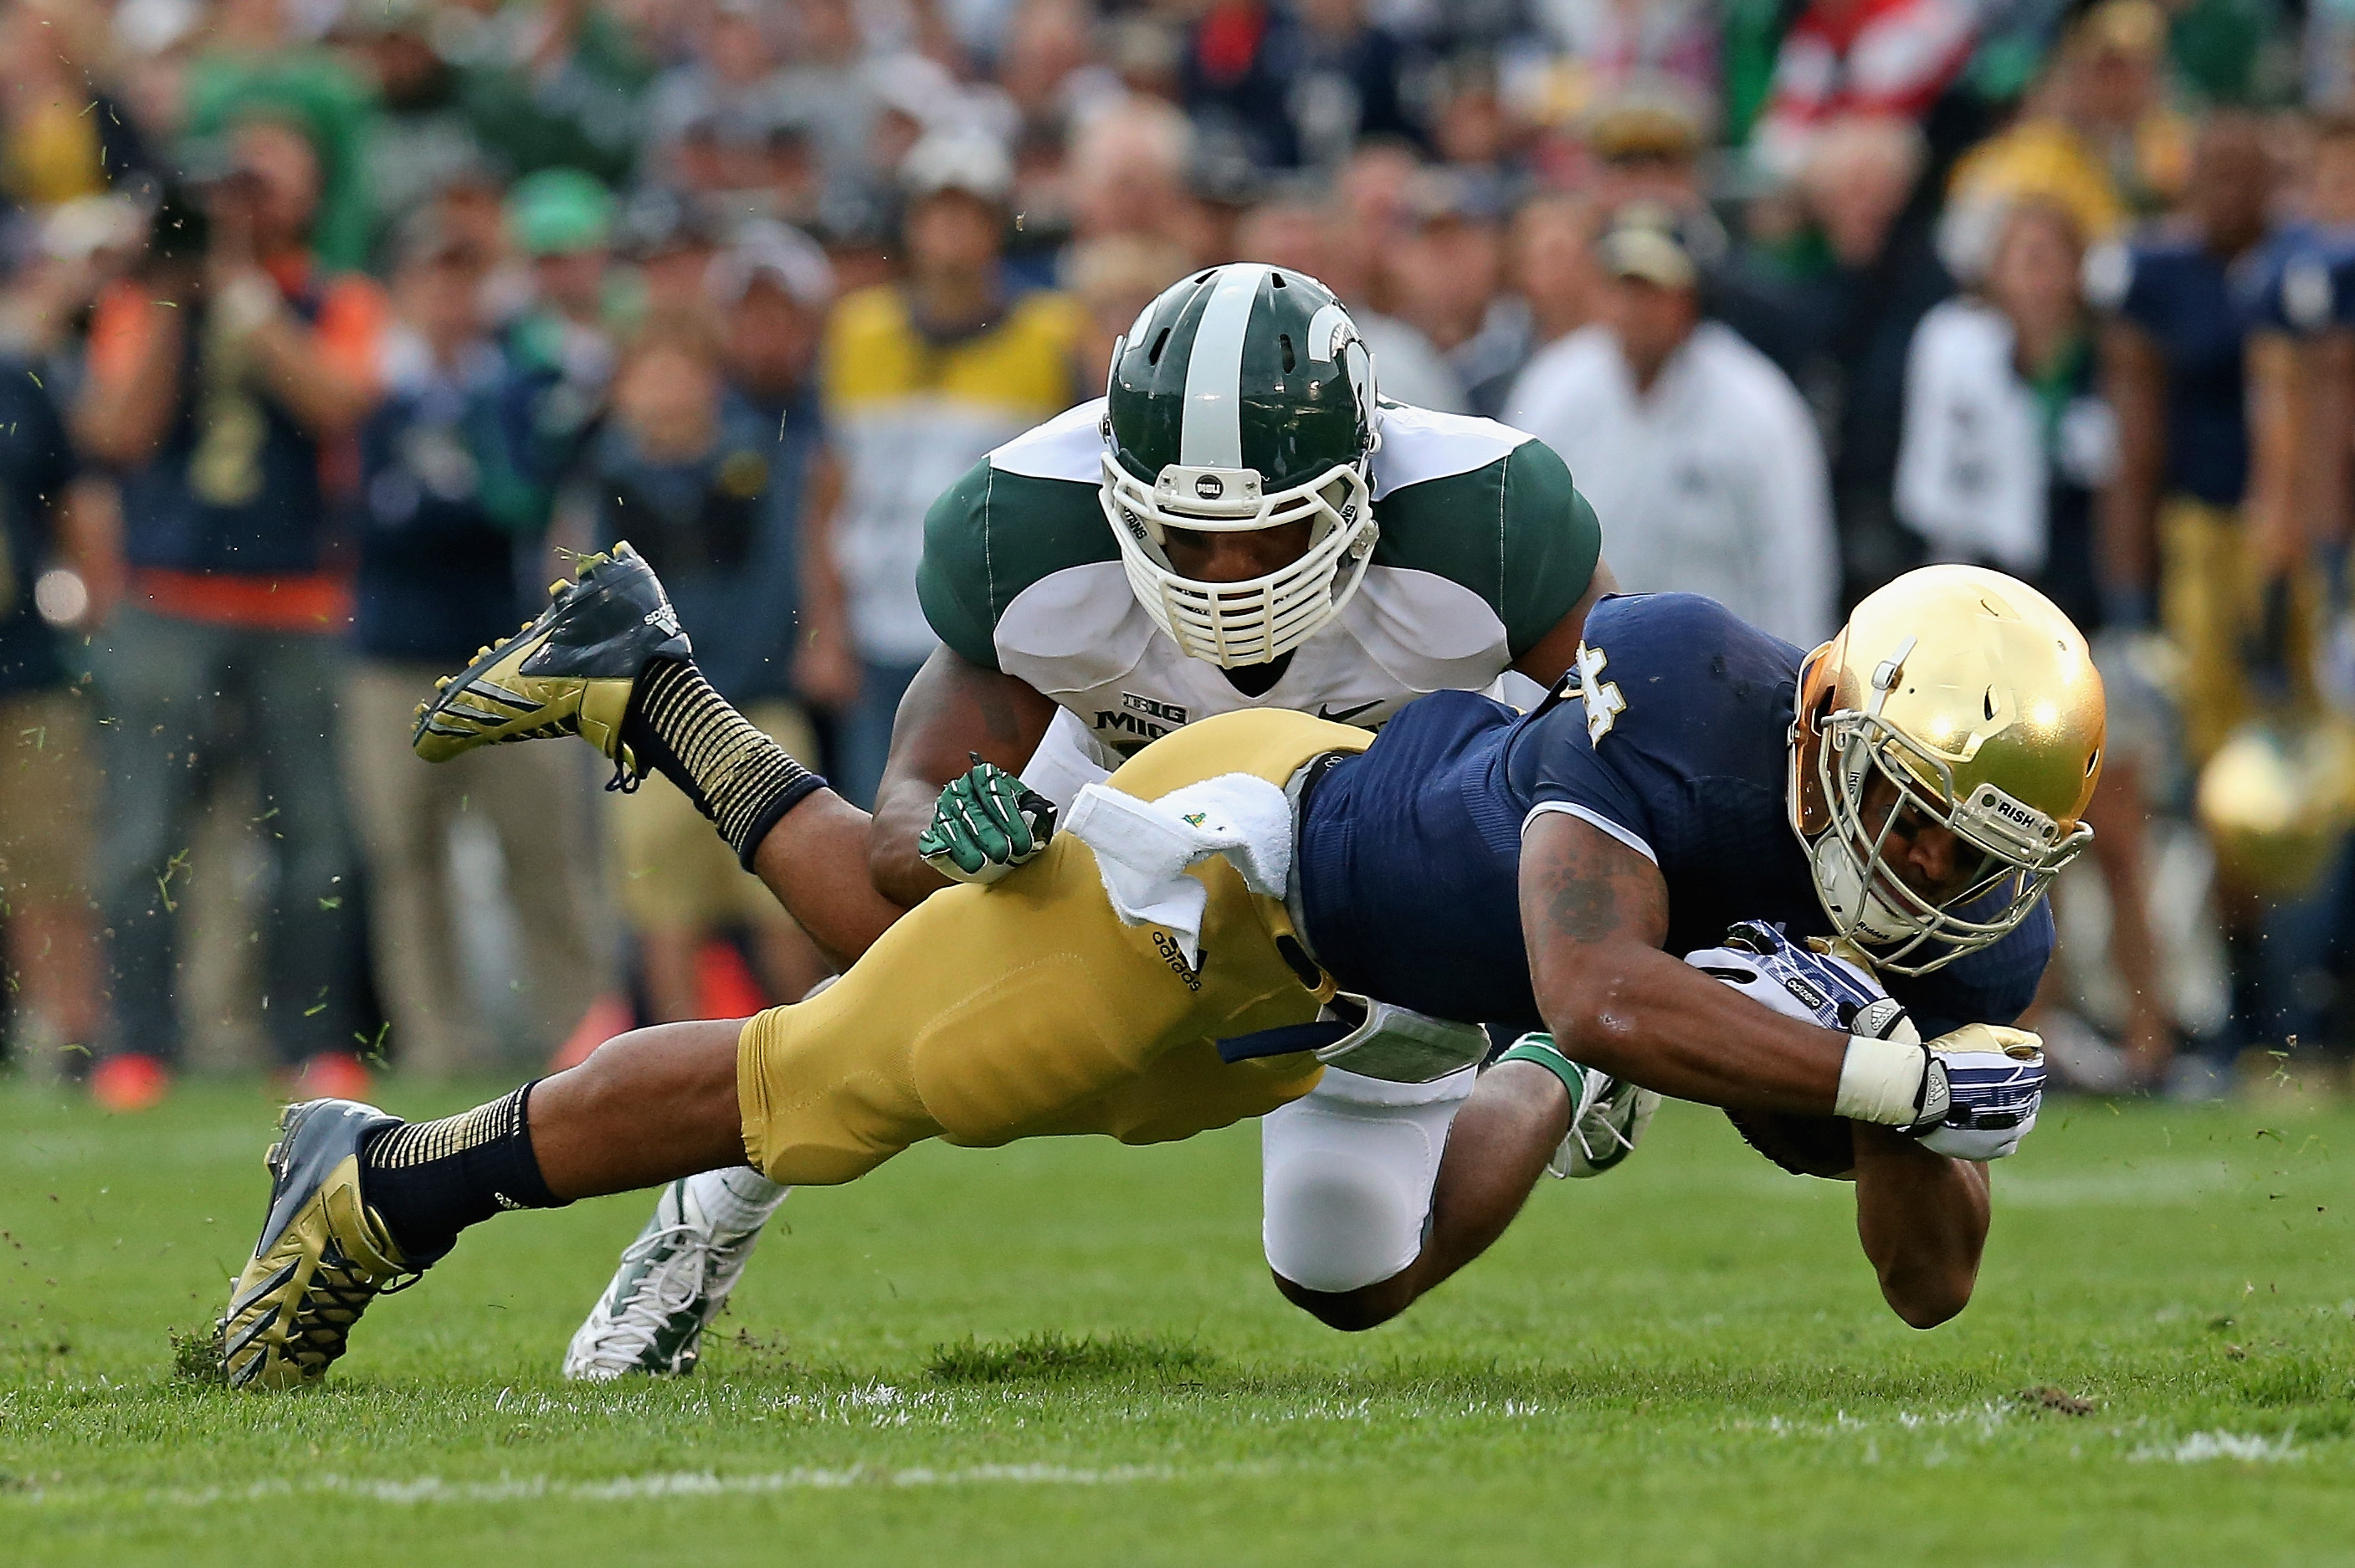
{"type": "Point", "coordinates": [1345, 715]}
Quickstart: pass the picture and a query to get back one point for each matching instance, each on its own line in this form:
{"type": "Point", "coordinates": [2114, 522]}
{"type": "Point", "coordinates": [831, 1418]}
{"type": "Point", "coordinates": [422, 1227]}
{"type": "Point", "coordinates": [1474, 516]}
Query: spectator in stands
{"type": "Point", "coordinates": [449, 551]}
{"type": "Point", "coordinates": [922, 378]}
{"type": "Point", "coordinates": [558, 84]}
{"type": "Point", "coordinates": [253, 65]}
{"type": "Point", "coordinates": [2006, 439]}
{"type": "Point", "coordinates": [707, 486]}
{"type": "Point", "coordinates": [1620, 44]}
{"type": "Point", "coordinates": [2096, 135]}
{"type": "Point", "coordinates": [1647, 146]}
{"type": "Point", "coordinates": [1853, 320]}
{"type": "Point", "coordinates": [224, 381]}
{"type": "Point", "coordinates": [1447, 277]}
{"type": "Point", "coordinates": [1293, 231]}
{"type": "Point", "coordinates": [561, 346]}
{"type": "Point", "coordinates": [1697, 453]}
{"type": "Point", "coordinates": [1294, 85]}
{"type": "Point", "coordinates": [62, 134]}
{"type": "Point", "coordinates": [1847, 58]}
{"type": "Point", "coordinates": [1551, 252]}
{"type": "Point", "coordinates": [422, 138]}
{"type": "Point", "coordinates": [1114, 279]}
{"type": "Point", "coordinates": [1128, 177]}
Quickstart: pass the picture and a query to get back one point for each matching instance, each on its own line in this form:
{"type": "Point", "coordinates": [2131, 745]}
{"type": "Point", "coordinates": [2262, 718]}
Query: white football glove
{"type": "Point", "coordinates": [1983, 1083]}
{"type": "Point", "coordinates": [1798, 983]}
{"type": "Point", "coordinates": [1994, 1087]}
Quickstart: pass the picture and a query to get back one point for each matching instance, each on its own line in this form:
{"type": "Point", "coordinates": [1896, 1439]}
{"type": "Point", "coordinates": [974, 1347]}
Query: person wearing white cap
{"type": "Point", "coordinates": [1697, 453]}
{"type": "Point", "coordinates": [920, 378]}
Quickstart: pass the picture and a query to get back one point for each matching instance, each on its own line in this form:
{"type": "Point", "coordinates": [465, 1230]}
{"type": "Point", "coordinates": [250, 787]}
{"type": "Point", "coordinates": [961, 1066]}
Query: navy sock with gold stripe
{"type": "Point", "coordinates": [429, 1179]}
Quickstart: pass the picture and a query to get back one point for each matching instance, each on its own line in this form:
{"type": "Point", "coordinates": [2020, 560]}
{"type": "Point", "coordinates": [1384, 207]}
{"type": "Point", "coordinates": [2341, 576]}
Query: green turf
{"type": "Point", "coordinates": [1068, 1351]}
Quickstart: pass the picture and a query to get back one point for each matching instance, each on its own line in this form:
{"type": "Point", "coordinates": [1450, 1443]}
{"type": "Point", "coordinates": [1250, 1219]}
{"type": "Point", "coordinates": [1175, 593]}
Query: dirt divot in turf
{"type": "Point", "coordinates": [197, 1357]}
{"type": "Point", "coordinates": [2058, 1400]}
{"type": "Point", "coordinates": [1051, 1356]}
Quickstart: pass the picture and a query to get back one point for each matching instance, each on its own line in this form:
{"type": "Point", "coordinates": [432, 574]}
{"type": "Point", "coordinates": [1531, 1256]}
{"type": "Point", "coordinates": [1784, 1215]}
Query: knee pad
{"type": "Point", "coordinates": [1347, 1173]}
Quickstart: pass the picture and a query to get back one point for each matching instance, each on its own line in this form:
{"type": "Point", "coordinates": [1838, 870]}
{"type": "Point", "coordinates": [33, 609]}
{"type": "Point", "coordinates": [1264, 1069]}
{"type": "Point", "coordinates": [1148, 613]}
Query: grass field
{"type": "Point", "coordinates": [1069, 1352]}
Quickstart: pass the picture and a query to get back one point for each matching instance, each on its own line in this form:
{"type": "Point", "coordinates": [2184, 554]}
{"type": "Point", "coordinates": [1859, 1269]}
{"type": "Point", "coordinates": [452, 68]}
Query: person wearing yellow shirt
{"type": "Point", "coordinates": [2097, 138]}
{"type": "Point", "coordinates": [921, 376]}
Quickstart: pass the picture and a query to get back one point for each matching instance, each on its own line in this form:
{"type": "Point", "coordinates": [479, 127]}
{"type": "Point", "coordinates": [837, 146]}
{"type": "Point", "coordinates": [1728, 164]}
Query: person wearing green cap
{"type": "Point", "coordinates": [564, 347]}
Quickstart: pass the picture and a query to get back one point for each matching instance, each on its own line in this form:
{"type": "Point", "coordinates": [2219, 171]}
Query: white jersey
{"type": "Point", "coordinates": [1485, 548]}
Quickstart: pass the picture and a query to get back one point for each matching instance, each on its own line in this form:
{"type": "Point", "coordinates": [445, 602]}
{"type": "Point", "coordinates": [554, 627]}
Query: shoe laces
{"type": "Point", "coordinates": [1618, 1137]}
{"type": "Point", "coordinates": [686, 1256]}
{"type": "Point", "coordinates": [339, 1291]}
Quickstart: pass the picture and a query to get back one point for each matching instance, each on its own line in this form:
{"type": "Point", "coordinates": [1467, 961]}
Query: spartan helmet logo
{"type": "Point", "coordinates": [1210, 487]}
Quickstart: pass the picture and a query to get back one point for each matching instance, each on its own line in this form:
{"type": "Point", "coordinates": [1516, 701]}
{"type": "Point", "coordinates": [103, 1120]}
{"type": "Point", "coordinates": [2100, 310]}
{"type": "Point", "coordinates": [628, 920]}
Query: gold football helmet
{"type": "Point", "coordinates": [1974, 696]}
{"type": "Point", "coordinates": [2277, 799]}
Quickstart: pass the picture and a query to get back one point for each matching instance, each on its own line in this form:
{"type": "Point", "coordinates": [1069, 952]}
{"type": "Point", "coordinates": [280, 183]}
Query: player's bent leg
{"type": "Point", "coordinates": [1501, 1140]}
{"type": "Point", "coordinates": [607, 662]}
{"type": "Point", "coordinates": [1347, 1177]}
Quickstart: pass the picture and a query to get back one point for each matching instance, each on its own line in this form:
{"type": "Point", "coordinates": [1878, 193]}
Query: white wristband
{"type": "Point", "coordinates": [1880, 1081]}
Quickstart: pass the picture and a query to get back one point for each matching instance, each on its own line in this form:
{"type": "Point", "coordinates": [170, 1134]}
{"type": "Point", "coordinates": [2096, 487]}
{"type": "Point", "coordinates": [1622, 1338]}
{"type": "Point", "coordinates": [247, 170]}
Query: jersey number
{"type": "Point", "coordinates": [1603, 703]}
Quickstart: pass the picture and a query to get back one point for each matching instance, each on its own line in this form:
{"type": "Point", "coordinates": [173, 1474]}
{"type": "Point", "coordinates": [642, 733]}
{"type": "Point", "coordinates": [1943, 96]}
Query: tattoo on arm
{"type": "Point", "coordinates": [1597, 888]}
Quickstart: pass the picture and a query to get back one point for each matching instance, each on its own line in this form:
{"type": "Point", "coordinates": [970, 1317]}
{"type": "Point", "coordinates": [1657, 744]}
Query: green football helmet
{"type": "Point", "coordinates": [1243, 398]}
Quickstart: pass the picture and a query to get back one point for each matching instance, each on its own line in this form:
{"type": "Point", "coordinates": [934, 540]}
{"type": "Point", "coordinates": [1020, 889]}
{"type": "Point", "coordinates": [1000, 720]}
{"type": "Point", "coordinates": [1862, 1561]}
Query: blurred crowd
{"type": "Point", "coordinates": [330, 327]}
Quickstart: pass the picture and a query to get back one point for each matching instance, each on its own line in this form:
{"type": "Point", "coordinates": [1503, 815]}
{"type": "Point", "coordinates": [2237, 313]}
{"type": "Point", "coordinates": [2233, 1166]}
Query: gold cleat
{"type": "Point", "coordinates": [323, 1256]}
{"type": "Point", "coordinates": [571, 672]}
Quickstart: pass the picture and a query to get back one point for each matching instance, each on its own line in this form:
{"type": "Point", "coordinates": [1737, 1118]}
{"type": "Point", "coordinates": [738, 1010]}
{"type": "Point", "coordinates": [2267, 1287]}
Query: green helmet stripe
{"type": "Point", "coordinates": [1213, 433]}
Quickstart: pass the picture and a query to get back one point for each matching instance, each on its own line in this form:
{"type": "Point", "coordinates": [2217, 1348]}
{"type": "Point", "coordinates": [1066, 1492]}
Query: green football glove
{"type": "Point", "coordinates": [986, 822]}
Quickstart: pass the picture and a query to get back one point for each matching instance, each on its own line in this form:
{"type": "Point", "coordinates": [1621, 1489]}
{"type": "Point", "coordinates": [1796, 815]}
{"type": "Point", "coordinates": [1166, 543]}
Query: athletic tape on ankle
{"type": "Point", "coordinates": [1880, 1081]}
{"type": "Point", "coordinates": [1550, 1058]}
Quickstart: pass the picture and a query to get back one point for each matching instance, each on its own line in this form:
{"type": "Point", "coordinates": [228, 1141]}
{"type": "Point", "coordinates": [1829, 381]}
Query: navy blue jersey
{"type": "Point", "coordinates": [2180, 292]}
{"type": "Point", "coordinates": [2301, 281]}
{"type": "Point", "coordinates": [1411, 853]}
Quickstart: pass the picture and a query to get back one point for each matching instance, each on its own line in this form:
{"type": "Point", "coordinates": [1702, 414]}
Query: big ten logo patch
{"type": "Point", "coordinates": [1172, 955]}
{"type": "Point", "coordinates": [1141, 717]}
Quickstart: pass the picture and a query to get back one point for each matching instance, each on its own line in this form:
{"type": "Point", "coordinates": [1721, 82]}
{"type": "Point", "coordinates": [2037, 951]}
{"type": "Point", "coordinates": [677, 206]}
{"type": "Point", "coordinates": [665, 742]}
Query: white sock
{"type": "Point", "coordinates": [737, 1201]}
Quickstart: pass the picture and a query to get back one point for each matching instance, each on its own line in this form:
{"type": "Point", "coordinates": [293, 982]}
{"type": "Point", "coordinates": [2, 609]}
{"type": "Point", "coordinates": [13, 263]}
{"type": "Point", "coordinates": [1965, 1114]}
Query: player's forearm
{"type": "Point", "coordinates": [1923, 1219]}
{"type": "Point", "coordinates": [1594, 913]}
{"type": "Point", "coordinates": [955, 711]}
{"type": "Point", "coordinates": [815, 862]}
{"type": "Point", "coordinates": [903, 809]}
{"type": "Point", "coordinates": [1639, 1015]}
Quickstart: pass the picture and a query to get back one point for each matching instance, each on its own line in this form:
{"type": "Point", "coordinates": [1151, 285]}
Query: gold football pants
{"type": "Point", "coordinates": [2212, 604]}
{"type": "Point", "coordinates": [1027, 1008]}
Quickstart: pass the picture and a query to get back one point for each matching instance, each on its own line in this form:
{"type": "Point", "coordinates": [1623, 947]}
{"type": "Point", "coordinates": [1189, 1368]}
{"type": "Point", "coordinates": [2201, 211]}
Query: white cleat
{"type": "Point", "coordinates": [1612, 1116]}
{"type": "Point", "coordinates": [673, 1281]}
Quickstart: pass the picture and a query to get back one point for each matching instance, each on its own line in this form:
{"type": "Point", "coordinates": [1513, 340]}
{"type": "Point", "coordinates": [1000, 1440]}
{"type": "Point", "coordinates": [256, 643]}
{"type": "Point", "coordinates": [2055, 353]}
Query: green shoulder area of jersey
{"type": "Point", "coordinates": [1516, 532]}
{"type": "Point", "coordinates": [990, 535]}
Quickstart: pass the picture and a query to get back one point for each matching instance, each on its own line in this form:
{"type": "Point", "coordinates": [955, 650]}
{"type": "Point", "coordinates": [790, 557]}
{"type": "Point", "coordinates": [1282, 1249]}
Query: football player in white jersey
{"type": "Point", "coordinates": [1240, 523]}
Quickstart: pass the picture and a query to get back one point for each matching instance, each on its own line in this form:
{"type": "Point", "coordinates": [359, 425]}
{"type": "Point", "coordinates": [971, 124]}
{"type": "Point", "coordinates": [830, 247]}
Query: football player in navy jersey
{"type": "Point", "coordinates": [1265, 897]}
{"type": "Point", "coordinates": [2169, 527]}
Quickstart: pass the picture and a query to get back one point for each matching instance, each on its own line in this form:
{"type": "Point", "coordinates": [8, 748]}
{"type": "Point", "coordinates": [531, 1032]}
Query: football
{"type": "Point", "coordinates": [1803, 1144]}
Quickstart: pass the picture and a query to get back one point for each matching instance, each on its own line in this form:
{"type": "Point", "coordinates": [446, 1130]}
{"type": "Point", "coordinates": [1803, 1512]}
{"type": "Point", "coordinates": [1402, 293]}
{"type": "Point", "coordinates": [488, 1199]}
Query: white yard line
{"type": "Point", "coordinates": [632, 1488]}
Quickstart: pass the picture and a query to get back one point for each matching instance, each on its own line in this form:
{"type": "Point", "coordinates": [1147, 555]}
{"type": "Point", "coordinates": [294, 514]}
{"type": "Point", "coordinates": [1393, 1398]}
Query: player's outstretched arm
{"type": "Point", "coordinates": [1593, 915]}
{"type": "Point", "coordinates": [955, 710]}
{"type": "Point", "coordinates": [1923, 1218]}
